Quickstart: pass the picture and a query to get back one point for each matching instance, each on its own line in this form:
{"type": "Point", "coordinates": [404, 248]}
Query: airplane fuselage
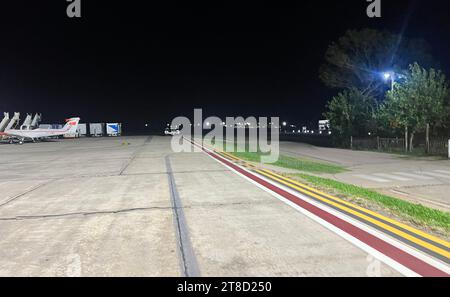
{"type": "Point", "coordinates": [37, 133]}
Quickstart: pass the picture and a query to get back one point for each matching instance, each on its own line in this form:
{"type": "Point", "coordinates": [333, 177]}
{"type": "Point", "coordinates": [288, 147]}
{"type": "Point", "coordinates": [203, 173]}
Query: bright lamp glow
{"type": "Point", "coordinates": [387, 75]}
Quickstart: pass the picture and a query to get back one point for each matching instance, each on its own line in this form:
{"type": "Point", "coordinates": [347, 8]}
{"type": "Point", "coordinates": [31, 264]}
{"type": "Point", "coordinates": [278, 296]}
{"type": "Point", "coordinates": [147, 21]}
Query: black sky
{"type": "Point", "coordinates": [137, 62]}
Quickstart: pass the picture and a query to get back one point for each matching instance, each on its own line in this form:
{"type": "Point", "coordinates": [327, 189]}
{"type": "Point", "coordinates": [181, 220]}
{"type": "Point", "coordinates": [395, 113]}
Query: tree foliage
{"type": "Point", "coordinates": [421, 98]}
{"type": "Point", "coordinates": [358, 57]}
{"type": "Point", "coordinates": [351, 113]}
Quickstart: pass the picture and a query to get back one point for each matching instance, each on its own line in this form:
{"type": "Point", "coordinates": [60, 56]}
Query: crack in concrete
{"type": "Point", "coordinates": [87, 213]}
{"type": "Point", "coordinates": [103, 212]}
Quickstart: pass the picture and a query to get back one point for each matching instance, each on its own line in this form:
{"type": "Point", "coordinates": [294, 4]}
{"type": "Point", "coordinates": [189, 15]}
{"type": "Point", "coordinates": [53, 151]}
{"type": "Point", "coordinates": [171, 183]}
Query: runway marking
{"type": "Point", "coordinates": [414, 176]}
{"type": "Point", "coordinates": [395, 253]}
{"type": "Point", "coordinates": [436, 174]}
{"type": "Point", "coordinates": [391, 176]}
{"type": "Point", "coordinates": [404, 176]}
{"type": "Point", "coordinates": [409, 262]}
{"type": "Point", "coordinates": [438, 250]}
{"type": "Point", "coordinates": [372, 213]}
{"type": "Point", "coordinates": [443, 171]}
{"type": "Point", "coordinates": [372, 178]}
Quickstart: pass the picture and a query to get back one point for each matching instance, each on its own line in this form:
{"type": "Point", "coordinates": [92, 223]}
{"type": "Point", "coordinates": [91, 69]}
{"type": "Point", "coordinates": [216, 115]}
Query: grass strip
{"type": "Point", "coordinates": [293, 163]}
{"type": "Point", "coordinates": [418, 213]}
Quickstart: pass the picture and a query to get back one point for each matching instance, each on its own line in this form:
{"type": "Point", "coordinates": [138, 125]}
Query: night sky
{"type": "Point", "coordinates": [136, 62]}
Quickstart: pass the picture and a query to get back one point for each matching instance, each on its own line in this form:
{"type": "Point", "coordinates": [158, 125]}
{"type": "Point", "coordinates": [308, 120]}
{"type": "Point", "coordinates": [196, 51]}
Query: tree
{"type": "Point", "coordinates": [351, 113]}
{"type": "Point", "coordinates": [418, 102]}
{"type": "Point", "coordinates": [358, 57]}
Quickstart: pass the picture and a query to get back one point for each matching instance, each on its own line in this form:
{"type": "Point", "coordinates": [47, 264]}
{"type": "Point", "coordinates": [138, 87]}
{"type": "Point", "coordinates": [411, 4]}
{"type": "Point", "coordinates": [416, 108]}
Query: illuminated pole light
{"type": "Point", "coordinates": [389, 75]}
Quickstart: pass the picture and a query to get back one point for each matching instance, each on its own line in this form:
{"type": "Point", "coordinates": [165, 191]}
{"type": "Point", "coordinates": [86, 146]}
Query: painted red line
{"type": "Point", "coordinates": [420, 267]}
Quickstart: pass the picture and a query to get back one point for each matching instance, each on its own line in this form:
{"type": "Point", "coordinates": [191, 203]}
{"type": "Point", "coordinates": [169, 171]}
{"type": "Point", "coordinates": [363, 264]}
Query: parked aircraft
{"type": "Point", "coordinates": [33, 135]}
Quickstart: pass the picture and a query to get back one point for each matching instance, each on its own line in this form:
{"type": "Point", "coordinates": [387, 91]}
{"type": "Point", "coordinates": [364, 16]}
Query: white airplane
{"type": "Point", "coordinates": [70, 128]}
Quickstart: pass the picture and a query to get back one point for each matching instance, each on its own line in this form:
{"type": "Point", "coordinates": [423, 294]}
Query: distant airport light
{"type": "Point", "coordinates": [284, 124]}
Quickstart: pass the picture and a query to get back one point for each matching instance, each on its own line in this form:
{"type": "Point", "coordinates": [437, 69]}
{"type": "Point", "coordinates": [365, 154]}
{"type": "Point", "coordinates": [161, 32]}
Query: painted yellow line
{"type": "Point", "coordinates": [237, 159]}
{"type": "Point", "coordinates": [368, 219]}
{"type": "Point", "coordinates": [231, 156]}
{"type": "Point", "coordinates": [404, 226]}
{"type": "Point", "coordinates": [313, 192]}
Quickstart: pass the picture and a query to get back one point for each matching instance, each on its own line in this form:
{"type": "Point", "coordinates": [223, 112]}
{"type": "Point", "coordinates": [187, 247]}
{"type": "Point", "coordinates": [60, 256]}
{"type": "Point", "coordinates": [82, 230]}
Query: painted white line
{"type": "Point", "coordinates": [368, 229]}
{"type": "Point", "coordinates": [356, 242]}
{"type": "Point", "coordinates": [443, 171]}
{"type": "Point", "coordinates": [391, 176]}
{"type": "Point", "coordinates": [415, 176]}
{"type": "Point", "coordinates": [363, 246]}
{"type": "Point", "coordinates": [372, 178]}
{"type": "Point", "coordinates": [436, 174]}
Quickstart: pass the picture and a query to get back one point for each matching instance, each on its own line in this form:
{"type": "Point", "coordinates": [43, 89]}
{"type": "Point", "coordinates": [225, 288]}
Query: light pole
{"type": "Point", "coordinates": [284, 124]}
{"type": "Point", "coordinates": [391, 77]}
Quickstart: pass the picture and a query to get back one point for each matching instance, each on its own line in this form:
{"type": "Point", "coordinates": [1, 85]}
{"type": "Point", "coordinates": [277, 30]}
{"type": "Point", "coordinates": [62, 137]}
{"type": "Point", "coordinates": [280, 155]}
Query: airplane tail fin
{"type": "Point", "coordinates": [71, 125]}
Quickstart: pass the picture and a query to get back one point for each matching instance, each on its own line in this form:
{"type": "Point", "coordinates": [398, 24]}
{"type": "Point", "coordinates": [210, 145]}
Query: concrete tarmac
{"type": "Point", "coordinates": [104, 207]}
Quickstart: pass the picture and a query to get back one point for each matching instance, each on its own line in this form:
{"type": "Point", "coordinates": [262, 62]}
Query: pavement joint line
{"type": "Point", "coordinates": [27, 192]}
{"type": "Point", "coordinates": [136, 152]}
{"type": "Point", "coordinates": [188, 261]}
